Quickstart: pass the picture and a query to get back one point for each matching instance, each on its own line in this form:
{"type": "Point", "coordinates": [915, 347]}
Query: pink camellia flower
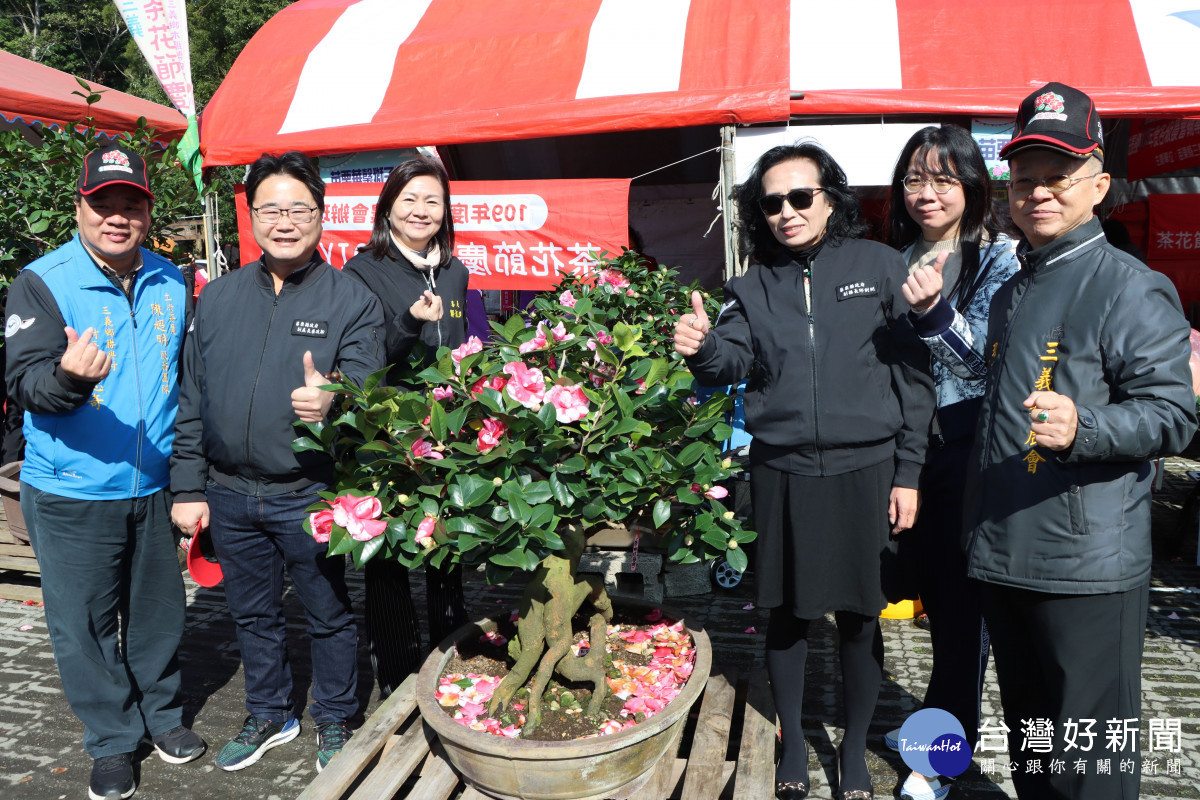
{"type": "Point", "coordinates": [321, 523]}
{"type": "Point", "coordinates": [425, 532]}
{"type": "Point", "coordinates": [423, 449]}
{"type": "Point", "coordinates": [527, 386]}
{"type": "Point", "coordinates": [538, 342]}
{"type": "Point", "coordinates": [567, 299]}
{"type": "Point", "coordinates": [560, 333]}
{"type": "Point", "coordinates": [613, 278]}
{"type": "Point", "coordinates": [495, 382]}
{"type": "Point", "coordinates": [631, 293]}
{"type": "Point", "coordinates": [641, 382]}
{"type": "Point", "coordinates": [470, 346]}
{"type": "Point", "coordinates": [717, 493]}
{"type": "Point", "coordinates": [442, 392]}
{"type": "Point", "coordinates": [604, 337]}
{"type": "Point", "coordinates": [570, 403]}
{"type": "Point", "coordinates": [490, 433]}
{"type": "Point", "coordinates": [591, 344]}
{"type": "Point", "coordinates": [359, 516]}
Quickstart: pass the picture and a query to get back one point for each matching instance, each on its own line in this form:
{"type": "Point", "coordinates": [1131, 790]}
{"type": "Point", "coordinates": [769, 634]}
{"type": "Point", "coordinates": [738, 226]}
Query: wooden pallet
{"type": "Point", "coordinates": [395, 756]}
{"type": "Point", "coordinates": [19, 571]}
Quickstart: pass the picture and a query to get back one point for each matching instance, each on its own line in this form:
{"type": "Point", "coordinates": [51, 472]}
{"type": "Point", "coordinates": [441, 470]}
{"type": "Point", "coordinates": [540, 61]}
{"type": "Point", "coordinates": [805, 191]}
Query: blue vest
{"type": "Point", "coordinates": [117, 444]}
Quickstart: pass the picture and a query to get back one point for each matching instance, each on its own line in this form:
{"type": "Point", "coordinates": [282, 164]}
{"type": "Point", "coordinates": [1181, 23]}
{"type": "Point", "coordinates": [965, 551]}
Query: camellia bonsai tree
{"type": "Point", "coordinates": [578, 416]}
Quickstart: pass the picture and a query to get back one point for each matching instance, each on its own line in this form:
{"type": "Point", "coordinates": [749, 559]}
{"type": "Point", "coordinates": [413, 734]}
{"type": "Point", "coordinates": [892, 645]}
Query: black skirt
{"type": "Point", "coordinates": [824, 543]}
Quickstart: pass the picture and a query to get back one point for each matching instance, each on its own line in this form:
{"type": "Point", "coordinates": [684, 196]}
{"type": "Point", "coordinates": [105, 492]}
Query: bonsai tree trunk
{"type": "Point", "coordinates": [544, 634]}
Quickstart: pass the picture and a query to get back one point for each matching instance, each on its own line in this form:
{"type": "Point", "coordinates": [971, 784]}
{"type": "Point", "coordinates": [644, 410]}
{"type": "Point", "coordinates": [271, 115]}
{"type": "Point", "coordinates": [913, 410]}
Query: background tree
{"type": "Point", "coordinates": [89, 39]}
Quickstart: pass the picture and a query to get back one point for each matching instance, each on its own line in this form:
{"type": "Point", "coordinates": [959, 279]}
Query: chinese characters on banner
{"type": "Point", "coordinates": [1163, 146]}
{"type": "Point", "coordinates": [509, 234]}
{"type": "Point", "coordinates": [1174, 227]}
{"type": "Point", "coordinates": [992, 135]}
{"type": "Point", "coordinates": [1082, 747]}
{"type": "Point", "coordinates": [160, 29]}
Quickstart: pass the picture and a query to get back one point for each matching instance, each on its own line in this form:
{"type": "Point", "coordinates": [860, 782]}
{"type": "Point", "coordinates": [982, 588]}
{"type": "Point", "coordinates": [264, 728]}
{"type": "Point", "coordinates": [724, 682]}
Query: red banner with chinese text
{"type": "Point", "coordinates": [509, 234]}
{"type": "Point", "coordinates": [1174, 227]}
{"type": "Point", "coordinates": [1162, 146]}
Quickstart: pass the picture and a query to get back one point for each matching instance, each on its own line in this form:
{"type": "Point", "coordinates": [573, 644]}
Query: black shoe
{"type": "Point", "coordinates": [847, 794]}
{"type": "Point", "coordinates": [179, 745]}
{"type": "Point", "coordinates": [791, 790]}
{"type": "Point", "coordinates": [922, 622]}
{"type": "Point", "coordinates": [112, 778]}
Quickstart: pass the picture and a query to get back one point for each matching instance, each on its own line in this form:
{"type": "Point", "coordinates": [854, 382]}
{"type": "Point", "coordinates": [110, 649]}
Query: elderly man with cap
{"type": "Point", "coordinates": [1087, 382]}
{"type": "Point", "coordinates": [93, 335]}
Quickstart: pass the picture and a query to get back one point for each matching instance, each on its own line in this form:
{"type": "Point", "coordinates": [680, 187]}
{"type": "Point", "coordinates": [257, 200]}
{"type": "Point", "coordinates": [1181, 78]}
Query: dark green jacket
{"type": "Point", "coordinates": [1113, 335]}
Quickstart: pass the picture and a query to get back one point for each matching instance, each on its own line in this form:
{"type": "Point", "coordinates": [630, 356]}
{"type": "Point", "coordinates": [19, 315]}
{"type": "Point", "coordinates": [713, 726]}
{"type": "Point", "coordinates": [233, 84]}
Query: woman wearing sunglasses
{"type": "Point", "coordinates": [838, 401]}
{"type": "Point", "coordinates": [409, 264]}
{"type": "Point", "coordinates": [941, 214]}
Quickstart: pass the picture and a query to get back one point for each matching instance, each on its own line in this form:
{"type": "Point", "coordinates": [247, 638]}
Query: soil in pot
{"type": "Point", "coordinates": [647, 663]}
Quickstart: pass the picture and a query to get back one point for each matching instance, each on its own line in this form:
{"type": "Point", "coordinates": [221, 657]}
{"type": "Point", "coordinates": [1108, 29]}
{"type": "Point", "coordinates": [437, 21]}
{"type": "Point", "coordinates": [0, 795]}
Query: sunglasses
{"type": "Point", "coordinates": [798, 199]}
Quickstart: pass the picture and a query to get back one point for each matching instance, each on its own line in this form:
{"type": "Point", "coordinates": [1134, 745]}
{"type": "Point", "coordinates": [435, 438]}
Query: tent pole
{"type": "Point", "coordinates": [728, 204]}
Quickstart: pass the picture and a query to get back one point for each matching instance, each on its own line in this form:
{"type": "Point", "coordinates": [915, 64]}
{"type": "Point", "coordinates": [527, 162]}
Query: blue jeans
{"type": "Point", "coordinates": [114, 608]}
{"type": "Point", "coordinates": [255, 538]}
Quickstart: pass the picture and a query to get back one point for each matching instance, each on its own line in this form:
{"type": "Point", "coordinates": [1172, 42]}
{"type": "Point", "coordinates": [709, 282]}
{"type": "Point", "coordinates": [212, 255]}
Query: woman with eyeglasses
{"type": "Point", "coordinates": [838, 401]}
{"type": "Point", "coordinates": [941, 215]}
{"type": "Point", "coordinates": [409, 264]}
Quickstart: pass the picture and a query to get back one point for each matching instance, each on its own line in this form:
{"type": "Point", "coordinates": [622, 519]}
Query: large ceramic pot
{"type": "Point", "coordinates": [610, 766]}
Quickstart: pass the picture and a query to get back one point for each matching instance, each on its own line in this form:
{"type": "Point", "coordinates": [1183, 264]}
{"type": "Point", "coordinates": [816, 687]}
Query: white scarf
{"type": "Point", "coordinates": [425, 263]}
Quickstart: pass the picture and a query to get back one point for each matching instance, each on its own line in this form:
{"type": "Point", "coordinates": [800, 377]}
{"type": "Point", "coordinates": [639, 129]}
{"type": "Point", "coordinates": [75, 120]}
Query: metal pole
{"type": "Point", "coordinates": [210, 224]}
{"type": "Point", "coordinates": [728, 203]}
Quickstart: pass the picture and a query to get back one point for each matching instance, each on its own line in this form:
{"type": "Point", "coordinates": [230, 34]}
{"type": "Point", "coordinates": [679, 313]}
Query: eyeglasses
{"type": "Point", "coordinates": [1055, 184]}
{"type": "Point", "coordinates": [940, 183]}
{"type": "Point", "coordinates": [798, 199]}
{"type": "Point", "coordinates": [297, 214]}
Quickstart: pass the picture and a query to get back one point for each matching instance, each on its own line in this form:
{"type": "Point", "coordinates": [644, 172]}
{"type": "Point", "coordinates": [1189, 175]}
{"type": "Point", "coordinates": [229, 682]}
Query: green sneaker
{"type": "Point", "coordinates": [257, 737]}
{"type": "Point", "coordinates": [331, 738]}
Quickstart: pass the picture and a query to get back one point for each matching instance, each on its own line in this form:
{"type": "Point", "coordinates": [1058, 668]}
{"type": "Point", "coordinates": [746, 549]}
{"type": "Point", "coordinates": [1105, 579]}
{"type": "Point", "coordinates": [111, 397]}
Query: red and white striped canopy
{"type": "Point", "coordinates": [335, 76]}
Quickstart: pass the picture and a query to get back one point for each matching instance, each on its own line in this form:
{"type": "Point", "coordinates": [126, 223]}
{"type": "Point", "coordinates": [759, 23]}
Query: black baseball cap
{"type": "Point", "coordinates": [113, 164]}
{"type": "Point", "coordinates": [1059, 117]}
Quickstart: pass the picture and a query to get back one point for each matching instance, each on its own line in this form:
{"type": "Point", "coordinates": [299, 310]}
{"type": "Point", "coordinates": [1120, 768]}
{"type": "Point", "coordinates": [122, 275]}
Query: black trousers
{"type": "Point", "coordinates": [393, 633]}
{"type": "Point", "coordinates": [949, 597]}
{"type": "Point", "coordinates": [1069, 659]}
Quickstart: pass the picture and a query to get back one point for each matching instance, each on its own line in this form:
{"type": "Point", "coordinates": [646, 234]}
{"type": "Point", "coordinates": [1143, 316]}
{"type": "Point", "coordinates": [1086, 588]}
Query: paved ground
{"type": "Point", "coordinates": [41, 759]}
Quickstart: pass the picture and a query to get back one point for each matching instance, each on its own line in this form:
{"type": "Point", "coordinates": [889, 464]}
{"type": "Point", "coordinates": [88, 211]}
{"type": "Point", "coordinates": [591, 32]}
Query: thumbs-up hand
{"type": "Point", "coordinates": [83, 360]}
{"type": "Point", "coordinates": [924, 287]}
{"type": "Point", "coordinates": [310, 402]}
{"type": "Point", "coordinates": [428, 307]}
{"type": "Point", "coordinates": [692, 328]}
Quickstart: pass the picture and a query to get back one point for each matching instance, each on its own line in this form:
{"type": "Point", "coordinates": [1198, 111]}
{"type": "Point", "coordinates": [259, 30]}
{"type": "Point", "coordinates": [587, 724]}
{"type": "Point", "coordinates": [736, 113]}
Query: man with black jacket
{"type": "Point", "coordinates": [1087, 381]}
{"type": "Point", "coordinates": [254, 362]}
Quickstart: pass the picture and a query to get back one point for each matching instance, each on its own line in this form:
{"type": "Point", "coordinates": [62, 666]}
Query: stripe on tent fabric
{"type": "Point", "coordinates": [1169, 31]}
{"type": "Point", "coordinates": [1026, 43]}
{"type": "Point", "coordinates": [635, 47]}
{"type": "Point", "coordinates": [847, 44]}
{"type": "Point", "coordinates": [489, 64]}
{"type": "Point", "coordinates": [347, 74]}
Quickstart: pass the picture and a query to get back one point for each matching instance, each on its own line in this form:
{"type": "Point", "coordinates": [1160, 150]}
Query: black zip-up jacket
{"type": "Point", "coordinates": [835, 388]}
{"type": "Point", "coordinates": [398, 284]}
{"type": "Point", "coordinates": [243, 358]}
{"type": "Point", "coordinates": [1113, 335]}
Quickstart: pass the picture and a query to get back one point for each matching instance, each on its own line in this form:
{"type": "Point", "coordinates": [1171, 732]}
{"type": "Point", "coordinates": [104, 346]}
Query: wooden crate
{"type": "Point", "coordinates": [18, 567]}
{"type": "Point", "coordinates": [727, 753]}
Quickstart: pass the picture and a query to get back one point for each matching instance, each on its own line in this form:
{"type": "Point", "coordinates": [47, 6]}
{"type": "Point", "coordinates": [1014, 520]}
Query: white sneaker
{"type": "Point", "coordinates": [892, 740]}
{"type": "Point", "coordinates": [917, 787]}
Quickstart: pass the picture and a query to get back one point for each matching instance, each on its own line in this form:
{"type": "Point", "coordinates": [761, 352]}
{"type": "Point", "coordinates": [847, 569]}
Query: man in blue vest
{"type": "Point", "coordinates": [93, 336]}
